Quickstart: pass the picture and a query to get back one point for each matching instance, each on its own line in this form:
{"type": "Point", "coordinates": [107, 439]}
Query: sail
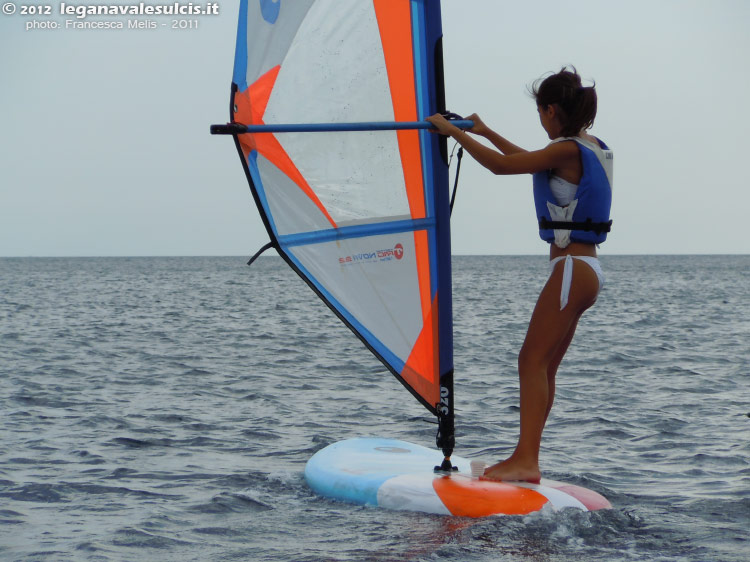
{"type": "Point", "coordinates": [361, 216]}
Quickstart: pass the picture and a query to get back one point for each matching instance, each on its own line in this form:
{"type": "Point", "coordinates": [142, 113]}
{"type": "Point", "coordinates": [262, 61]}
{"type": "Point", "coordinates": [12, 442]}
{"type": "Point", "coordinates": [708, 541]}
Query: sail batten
{"type": "Point", "coordinates": [361, 211]}
{"type": "Point", "coordinates": [358, 231]}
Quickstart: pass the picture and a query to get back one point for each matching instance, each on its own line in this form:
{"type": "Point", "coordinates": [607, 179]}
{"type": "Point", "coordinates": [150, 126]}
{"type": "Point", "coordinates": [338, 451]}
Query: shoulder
{"type": "Point", "coordinates": [554, 156]}
{"type": "Point", "coordinates": [573, 145]}
{"type": "Point", "coordinates": [563, 146]}
{"type": "Point", "coordinates": [590, 141]}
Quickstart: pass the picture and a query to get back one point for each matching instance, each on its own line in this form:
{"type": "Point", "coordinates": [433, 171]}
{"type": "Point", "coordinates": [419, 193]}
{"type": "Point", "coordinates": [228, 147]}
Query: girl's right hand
{"type": "Point", "coordinates": [479, 127]}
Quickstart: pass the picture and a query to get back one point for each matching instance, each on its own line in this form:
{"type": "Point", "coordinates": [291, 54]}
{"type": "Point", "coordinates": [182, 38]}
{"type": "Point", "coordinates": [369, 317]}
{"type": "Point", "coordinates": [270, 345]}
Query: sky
{"type": "Point", "coordinates": [105, 149]}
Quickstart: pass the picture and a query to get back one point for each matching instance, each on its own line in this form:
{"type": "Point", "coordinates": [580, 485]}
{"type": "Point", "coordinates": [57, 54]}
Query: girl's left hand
{"type": "Point", "coordinates": [442, 125]}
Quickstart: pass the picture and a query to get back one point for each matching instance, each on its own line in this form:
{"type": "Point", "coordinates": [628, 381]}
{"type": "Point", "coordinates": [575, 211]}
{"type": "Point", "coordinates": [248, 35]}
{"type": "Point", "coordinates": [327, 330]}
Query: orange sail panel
{"type": "Point", "coordinates": [394, 22]}
{"type": "Point", "coordinates": [251, 108]}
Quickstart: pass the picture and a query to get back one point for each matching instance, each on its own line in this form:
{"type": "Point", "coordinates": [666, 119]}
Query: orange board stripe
{"type": "Point", "coordinates": [466, 497]}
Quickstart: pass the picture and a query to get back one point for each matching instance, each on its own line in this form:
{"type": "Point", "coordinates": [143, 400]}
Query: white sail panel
{"type": "Point", "coordinates": [374, 279]}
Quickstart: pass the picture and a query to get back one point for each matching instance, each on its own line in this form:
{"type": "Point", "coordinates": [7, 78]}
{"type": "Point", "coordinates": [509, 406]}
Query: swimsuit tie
{"type": "Point", "coordinates": [566, 281]}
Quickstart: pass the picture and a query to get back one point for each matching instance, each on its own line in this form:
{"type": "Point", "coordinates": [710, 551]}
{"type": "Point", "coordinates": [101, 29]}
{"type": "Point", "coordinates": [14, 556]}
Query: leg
{"type": "Point", "coordinates": [550, 332]}
{"type": "Point", "coordinates": [555, 363]}
{"type": "Point", "coordinates": [560, 353]}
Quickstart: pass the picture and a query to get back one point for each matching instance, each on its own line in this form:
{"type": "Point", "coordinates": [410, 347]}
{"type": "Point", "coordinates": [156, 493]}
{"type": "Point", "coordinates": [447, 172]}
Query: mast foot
{"type": "Point", "coordinates": [447, 467]}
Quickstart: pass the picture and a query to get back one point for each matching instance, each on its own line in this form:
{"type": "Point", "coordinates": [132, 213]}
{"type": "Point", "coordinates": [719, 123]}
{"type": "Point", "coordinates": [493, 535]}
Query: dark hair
{"type": "Point", "coordinates": [577, 104]}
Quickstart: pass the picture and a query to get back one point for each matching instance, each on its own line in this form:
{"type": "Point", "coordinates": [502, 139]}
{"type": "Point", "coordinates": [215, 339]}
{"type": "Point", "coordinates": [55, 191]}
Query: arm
{"type": "Point", "coordinates": [558, 155]}
{"type": "Point", "coordinates": [501, 143]}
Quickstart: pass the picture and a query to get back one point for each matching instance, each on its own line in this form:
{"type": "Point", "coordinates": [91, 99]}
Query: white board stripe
{"type": "Point", "coordinates": [411, 492]}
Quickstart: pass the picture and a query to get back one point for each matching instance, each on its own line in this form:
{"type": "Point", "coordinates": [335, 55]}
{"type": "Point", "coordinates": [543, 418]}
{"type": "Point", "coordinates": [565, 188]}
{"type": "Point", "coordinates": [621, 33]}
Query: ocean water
{"type": "Point", "coordinates": [164, 409]}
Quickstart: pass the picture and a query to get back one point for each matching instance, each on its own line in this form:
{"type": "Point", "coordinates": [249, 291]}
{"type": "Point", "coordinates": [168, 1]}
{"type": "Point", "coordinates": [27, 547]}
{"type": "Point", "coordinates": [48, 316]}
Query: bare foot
{"type": "Point", "coordinates": [513, 470]}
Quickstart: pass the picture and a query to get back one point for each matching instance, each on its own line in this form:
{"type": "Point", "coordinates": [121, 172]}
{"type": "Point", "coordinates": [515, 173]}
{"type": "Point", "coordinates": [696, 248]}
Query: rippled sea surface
{"type": "Point", "coordinates": [164, 409]}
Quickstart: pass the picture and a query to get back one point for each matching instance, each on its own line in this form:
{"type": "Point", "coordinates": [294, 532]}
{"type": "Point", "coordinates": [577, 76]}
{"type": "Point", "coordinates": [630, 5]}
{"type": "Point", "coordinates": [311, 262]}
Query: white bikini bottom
{"type": "Point", "coordinates": [568, 274]}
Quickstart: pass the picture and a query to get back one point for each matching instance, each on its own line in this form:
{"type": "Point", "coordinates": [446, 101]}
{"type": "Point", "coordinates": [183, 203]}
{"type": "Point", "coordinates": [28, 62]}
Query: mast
{"type": "Point", "coordinates": [445, 439]}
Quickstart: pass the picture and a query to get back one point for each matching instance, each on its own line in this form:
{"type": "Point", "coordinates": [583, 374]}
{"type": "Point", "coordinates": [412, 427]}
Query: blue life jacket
{"type": "Point", "coordinates": [586, 219]}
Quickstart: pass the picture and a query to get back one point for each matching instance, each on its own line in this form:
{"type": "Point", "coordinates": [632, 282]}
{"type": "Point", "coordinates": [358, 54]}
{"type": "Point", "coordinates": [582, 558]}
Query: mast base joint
{"type": "Point", "coordinates": [447, 467]}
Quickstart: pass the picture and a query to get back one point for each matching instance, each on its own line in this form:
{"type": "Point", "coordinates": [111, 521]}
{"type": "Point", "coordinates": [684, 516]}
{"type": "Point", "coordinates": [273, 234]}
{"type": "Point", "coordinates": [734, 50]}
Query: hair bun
{"type": "Point", "coordinates": [577, 102]}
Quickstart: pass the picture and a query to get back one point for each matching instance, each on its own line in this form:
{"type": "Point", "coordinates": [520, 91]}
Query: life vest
{"type": "Point", "coordinates": [588, 213]}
